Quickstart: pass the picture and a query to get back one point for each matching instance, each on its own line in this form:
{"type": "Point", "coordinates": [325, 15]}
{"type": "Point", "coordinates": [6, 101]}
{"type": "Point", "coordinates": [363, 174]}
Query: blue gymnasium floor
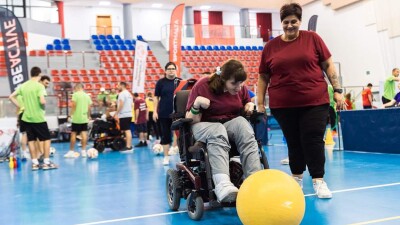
{"type": "Point", "coordinates": [130, 189]}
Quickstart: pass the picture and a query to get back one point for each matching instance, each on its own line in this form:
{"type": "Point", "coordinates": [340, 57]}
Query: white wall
{"type": "Point", "coordinates": [352, 43]}
{"type": "Point", "coordinates": [231, 18]}
{"type": "Point", "coordinates": [148, 22]}
{"type": "Point", "coordinates": [80, 22]}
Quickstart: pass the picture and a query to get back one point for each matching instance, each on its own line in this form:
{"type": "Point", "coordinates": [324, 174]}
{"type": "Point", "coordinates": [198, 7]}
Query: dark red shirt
{"type": "Point", "coordinates": [295, 67]}
{"type": "Point", "coordinates": [141, 105]}
{"type": "Point", "coordinates": [222, 107]}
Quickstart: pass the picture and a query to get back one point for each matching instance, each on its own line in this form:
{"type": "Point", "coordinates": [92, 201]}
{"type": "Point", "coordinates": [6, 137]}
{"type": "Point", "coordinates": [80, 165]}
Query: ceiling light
{"type": "Point", "coordinates": [156, 5]}
{"type": "Point", "coordinates": [205, 7]}
{"type": "Point", "coordinates": [104, 3]}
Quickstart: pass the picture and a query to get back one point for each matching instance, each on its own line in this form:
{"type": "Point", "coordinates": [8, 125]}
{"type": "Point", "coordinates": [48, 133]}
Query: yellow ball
{"type": "Point", "coordinates": [270, 197]}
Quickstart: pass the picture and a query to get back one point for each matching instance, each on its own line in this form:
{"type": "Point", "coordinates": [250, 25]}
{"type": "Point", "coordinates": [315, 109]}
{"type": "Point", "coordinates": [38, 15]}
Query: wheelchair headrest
{"type": "Point", "coordinates": [181, 99]}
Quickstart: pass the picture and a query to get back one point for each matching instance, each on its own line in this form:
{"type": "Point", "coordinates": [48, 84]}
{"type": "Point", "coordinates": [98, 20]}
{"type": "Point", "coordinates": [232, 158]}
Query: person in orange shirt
{"type": "Point", "coordinates": [349, 103]}
{"type": "Point", "coordinates": [367, 97]}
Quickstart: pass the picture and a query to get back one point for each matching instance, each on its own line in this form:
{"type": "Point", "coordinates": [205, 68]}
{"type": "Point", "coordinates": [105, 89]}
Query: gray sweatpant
{"type": "Point", "coordinates": [217, 136]}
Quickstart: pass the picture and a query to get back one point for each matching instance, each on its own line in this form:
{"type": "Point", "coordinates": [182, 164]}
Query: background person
{"type": "Point", "coordinates": [389, 86]}
{"type": "Point", "coordinates": [367, 97]}
{"type": "Point", "coordinates": [124, 113]}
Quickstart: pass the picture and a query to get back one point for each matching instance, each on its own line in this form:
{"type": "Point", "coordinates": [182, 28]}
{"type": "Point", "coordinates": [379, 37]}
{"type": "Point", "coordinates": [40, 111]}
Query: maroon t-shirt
{"type": "Point", "coordinates": [296, 75]}
{"type": "Point", "coordinates": [141, 105]}
{"type": "Point", "coordinates": [222, 107]}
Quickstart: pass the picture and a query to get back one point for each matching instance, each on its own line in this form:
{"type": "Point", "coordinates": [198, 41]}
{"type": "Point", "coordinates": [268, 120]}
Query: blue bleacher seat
{"type": "Point", "coordinates": [131, 47]}
{"type": "Point", "coordinates": [128, 42]}
{"type": "Point", "coordinates": [248, 48]}
{"type": "Point", "coordinates": [101, 36]}
{"type": "Point", "coordinates": [107, 47]}
{"type": "Point", "coordinates": [209, 48]}
{"type": "Point", "coordinates": [242, 48]}
{"type": "Point", "coordinates": [139, 37]}
{"type": "Point", "coordinates": [183, 48]}
{"type": "Point", "coordinates": [229, 48]}
{"type": "Point", "coordinates": [133, 41]}
{"type": "Point", "coordinates": [99, 48]}
{"type": "Point", "coordinates": [118, 37]}
{"type": "Point", "coordinates": [56, 42]}
{"type": "Point", "coordinates": [104, 42]}
{"type": "Point", "coordinates": [260, 48]}
{"type": "Point", "coordinates": [57, 47]}
{"type": "Point", "coordinates": [96, 42]}
{"type": "Point", "coordinates": [109, 36]}
{"type": "Point", "coordinates": [112, 42]}
{"type": "Point", "coordinates": [254, 48]}
{"type": "Point", "coordinates": [215, 48]}
{"type": "Point", "coordinates": [120, 42]}
{"type": "Point", "coordinates": [222, 47]}
{"type": "Point", "coordinates": [95, 37]}
{"type": "Point", "coordinates": [148, 48]}
{"type": "Point", "coordinates": [202, 48]}
{"type": "Point", "coordinates": [65, 41]}
{"type": "Point", "coordinates": [123, 47]}
{"type": "Point", "coordinates": [235, 48]}
{"type": "Point", "coordinates": [196, 48]}
{"type": "Point", "coordinates": [66, 47]}
{"type": "Point", "coordinates": [114, 47]}
{"type": "Point", "coordinates": [189, 48]}
{"type": "Point", "coordinates": [49, 47]}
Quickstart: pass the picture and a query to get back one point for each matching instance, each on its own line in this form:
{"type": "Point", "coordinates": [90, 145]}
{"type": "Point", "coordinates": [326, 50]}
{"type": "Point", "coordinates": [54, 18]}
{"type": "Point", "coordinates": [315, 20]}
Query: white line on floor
{"type": "Point", "coordinates": [377, 221]}
{"type": "Point", "coordinates": [184, 211]}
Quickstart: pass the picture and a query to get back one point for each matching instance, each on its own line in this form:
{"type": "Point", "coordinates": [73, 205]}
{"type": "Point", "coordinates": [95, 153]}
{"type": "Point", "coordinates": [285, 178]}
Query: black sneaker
{"type": "Point", "coordinates": [126, 149]}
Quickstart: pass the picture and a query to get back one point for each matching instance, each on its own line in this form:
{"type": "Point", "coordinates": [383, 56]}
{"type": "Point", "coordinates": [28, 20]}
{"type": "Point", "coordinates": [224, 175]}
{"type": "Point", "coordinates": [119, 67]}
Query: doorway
{"type": "Point", "coordinates": [104, 25]}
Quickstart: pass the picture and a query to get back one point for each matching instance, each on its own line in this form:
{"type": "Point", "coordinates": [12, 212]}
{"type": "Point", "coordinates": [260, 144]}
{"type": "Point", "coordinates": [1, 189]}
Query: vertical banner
{"type": "Point", "coordinates": [139, 67]}
{"type": "Point", "coordinates": [312, 23]}
{"type": "Point", "coordinates": [14, 48]}
{"type": "Point", "coordinates": [175, 37]}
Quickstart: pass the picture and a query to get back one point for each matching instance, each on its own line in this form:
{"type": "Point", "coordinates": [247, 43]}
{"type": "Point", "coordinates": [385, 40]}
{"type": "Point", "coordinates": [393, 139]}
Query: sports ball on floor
{"type": "Point", "coordinates": [158, 149]}
{"type": "Point", "coordinates": [92, 153]}
{"type": "Point", "coordinates": [52, 151]}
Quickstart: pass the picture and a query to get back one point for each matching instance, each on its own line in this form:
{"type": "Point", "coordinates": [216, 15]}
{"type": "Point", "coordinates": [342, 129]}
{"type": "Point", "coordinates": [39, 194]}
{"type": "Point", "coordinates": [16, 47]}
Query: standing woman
{"type": "Point", "coordinates": [292, 67]}
{"type": "Point", "coordinates": [163, 107]}
{"type": "Point", "coordinates": [151, 124]}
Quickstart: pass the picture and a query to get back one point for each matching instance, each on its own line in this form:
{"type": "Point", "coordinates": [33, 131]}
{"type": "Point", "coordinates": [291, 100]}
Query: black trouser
{"type": "Point", "coordinates": [304, 129]}
{"type": "Point", "coordinates": [166, 132]}
{"type": "Point", "coordinates": [385, 100]}
{"type": "Point", "coordinates": [367, 107]}
{"type": "Point", "coordinates": [332, 118]}
{"type": "Point", "coordinates": [152, 124]}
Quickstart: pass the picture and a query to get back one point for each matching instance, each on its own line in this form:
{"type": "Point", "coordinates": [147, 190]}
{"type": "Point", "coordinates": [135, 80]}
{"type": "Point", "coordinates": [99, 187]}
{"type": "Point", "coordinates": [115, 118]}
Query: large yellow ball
{"type": "Point", "coordinates": [270, 197]}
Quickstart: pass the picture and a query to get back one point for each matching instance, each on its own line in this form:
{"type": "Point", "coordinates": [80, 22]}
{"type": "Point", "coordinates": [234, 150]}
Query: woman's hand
{"type": "Point", "coordinates": [340, 103]}
{"type": "Point", "coordinates": [155, 116]}
{"type": "Point", "coordinates": [201, 102]}
{"type": "Point", "coordinates": [248, 108]}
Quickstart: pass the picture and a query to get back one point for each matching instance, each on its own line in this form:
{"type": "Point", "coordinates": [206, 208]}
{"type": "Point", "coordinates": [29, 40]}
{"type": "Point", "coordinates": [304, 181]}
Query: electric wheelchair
{"type": "Point", "coordinates": [192, 178]}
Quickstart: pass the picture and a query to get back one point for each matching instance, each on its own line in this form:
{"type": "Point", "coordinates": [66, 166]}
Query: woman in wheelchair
{"type": "Point", "coordinates": [215, 104]}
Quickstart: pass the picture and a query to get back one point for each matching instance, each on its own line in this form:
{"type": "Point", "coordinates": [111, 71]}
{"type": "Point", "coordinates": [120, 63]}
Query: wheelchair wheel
{"type": "Point", "coordinates": [118, 144]}
{"type": "Point", "coordinates": [173, 189]}
{"type": "Point", "coordinates": [195, 206]}
{"type": "Point", "coordinates": [99, 146]}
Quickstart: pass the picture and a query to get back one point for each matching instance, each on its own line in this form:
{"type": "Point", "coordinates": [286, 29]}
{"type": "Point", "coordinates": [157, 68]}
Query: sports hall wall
{"type": "Point", "coordinates": [354, 34]}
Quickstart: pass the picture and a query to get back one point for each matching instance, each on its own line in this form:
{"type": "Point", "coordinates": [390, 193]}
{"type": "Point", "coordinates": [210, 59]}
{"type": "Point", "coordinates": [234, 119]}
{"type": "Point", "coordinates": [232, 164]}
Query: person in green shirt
{"type": "Point", "coordinates": [33, 93]}
{"type": "Point", "coordinates": [80, 115]}
{"type": "Point", "coordinates": [112, 96]}
{"type": "Point", "coordinates": [389, 86]}
{"type": "Point", "coordinates": [102, 99]}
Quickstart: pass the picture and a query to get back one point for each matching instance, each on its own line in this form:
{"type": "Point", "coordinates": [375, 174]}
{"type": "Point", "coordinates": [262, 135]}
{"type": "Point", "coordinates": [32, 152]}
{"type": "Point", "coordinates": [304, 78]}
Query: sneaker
{"type": "Point", "coordinates": [71, 154]}
{"type": "Point", "coordinates": [165, 161]}
{"type": "Point", "coordinates": [35, 167]}
{"type": "Point", "coordinates": [226, 191]}
{"type": "Point", "coordinates": [49, 166]}
{"type": "Point", "coordinates": [83, 153]}
{"type": "Point", "coordinates": [321, 189]}
{"type": "Point", "coordinates": [285, 161]}
{"type": "Point", "coordinates": [126, 149]}
{"type": "Point", "coordinates": [299, 181]}
{"type": "Point", "coordinates": [140, 144]}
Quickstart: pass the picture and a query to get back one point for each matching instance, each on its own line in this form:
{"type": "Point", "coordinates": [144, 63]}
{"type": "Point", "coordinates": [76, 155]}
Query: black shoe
{"type": "Point", "coordinates": [140, 144]}
{"type": "Point", "coordinates": [126, 149]}
{"type": "Point", "coordinates": [144, 144]}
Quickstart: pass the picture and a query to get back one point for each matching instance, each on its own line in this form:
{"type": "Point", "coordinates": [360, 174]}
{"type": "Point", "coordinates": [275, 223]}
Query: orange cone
{"type": "Point", "coordinates": [329, 137]}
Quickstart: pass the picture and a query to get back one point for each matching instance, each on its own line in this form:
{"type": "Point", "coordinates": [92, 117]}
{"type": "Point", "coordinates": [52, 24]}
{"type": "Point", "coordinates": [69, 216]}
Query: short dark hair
{"type": "Point", "coordinates": [149, 94]}
{"type": "Point", "coordinates": [168, 64]}
{"type": "Point", "coordinates": [369, 85]}
{"type": "Point", "coordinates": [35, 71]}
{"type": "Point", "coordinates": [122, 84]}
{"type": "Point", "coordinates": [45, 77]}
{"type": "Point", "coordinates": [135, 94]}
{"type": "Point", "coordinates": [231, 69]}
{"type": "Point", "coordinates": [290, 10]}
{"type": "Point", "coordinates": [394, 69]}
